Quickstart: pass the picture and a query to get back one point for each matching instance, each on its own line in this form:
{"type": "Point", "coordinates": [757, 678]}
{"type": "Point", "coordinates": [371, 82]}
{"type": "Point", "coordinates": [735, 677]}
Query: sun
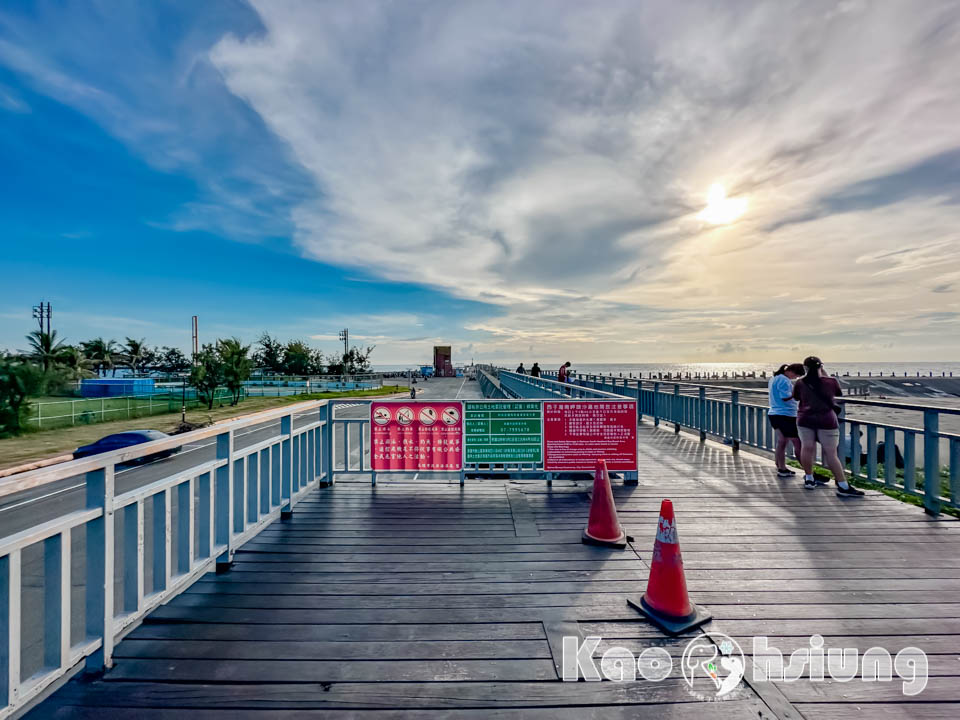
{"type": "Point", "coordinates": [720, 209]}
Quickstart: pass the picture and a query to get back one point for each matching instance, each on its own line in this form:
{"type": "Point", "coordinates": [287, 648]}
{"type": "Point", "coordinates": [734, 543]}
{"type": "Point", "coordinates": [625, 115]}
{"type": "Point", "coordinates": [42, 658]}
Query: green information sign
{"type": "Point", "coordinates": [502, 432]}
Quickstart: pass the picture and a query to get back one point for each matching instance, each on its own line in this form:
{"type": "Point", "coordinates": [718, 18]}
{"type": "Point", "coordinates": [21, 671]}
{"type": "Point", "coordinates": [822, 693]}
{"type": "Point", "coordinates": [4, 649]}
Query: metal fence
{"type": "Point", "coordinates": [87, 411]}
{"type": "Point", "coordinates": [220, 504]}
{"type": "Point", "coordinates": [738, 416]}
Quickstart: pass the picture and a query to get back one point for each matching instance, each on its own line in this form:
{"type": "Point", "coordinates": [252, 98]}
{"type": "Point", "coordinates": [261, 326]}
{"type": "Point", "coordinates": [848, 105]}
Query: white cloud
{"type": "Point", "coordinates": [553, 158]}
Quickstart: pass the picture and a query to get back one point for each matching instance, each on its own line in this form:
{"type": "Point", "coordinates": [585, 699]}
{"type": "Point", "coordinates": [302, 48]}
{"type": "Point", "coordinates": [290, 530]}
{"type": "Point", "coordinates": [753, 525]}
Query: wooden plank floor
{"type": "Point", "coordinates": [422, 599]}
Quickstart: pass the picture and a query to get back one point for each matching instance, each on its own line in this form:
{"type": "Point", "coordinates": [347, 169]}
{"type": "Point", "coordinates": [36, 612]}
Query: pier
{"type": "Point", "coordinates": [282, 582]}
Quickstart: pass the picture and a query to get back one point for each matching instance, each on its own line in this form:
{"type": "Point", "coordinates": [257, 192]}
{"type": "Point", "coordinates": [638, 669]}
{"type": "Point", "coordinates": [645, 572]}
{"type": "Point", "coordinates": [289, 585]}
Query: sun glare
{"type": "Point", "coordinates": [720, 209]}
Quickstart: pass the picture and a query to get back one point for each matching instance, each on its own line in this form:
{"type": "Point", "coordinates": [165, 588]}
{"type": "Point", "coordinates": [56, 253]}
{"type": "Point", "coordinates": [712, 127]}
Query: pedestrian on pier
{"type": "Point", "coordinates": [562, 372]}
{"type": "Point", "coordinates": [817, 394]}
{"type": "Point", "coordinates": [783, 415]}
{"type": "Point", "coordinates": [535, 370]}
{"type": "Point", "coordinates": [521, 370]}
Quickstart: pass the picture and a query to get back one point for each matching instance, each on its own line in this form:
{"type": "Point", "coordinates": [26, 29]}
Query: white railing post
{"type": "Point", "coordinates": [9, 628]}
{"type": "Point", "coordinates": [99, 586]}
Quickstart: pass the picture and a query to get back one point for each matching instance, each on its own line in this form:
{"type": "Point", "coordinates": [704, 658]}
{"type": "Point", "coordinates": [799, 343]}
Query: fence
{"type": "Point", "coordinates": [200, 515]}
{"type": "Point", "coordinates": [722, 412]}
{"type": "Point", "coordinates": [86, 411]}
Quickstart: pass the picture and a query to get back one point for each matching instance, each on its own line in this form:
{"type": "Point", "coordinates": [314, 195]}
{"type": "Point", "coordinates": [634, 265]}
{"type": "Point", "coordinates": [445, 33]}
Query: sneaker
{"type": "Point", "coordinates": [851, 491]}
{"type": "Point", "coordinates": [785, 473]}
{"type": "Point", "coordinates": [821, 480]}
{"type": "Point", "coordinates": [809, 484]}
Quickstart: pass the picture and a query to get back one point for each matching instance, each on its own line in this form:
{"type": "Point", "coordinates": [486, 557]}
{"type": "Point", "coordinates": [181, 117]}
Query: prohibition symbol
{"type": "Point", "coordinates": [428, 416]}
{"type": "Point", "coordinates": [451, 415]}
{"type": "Point", "coordinates": [381, 416]}
{"type": "Point", "coordinates": [404, 416]}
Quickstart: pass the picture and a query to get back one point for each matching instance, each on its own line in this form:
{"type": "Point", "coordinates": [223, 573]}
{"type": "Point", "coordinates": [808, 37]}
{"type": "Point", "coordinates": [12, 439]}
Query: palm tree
{"type": "Point", "coordinates": [137, 355]}
{"type": "Point", "coordinates": [73, 359]}
{"type": "Point", "coordinates": [45, 348]}
{"type": "Point", "coordinates": [101, 353]}
{"type": "Point", "coordinates": [236, 364]}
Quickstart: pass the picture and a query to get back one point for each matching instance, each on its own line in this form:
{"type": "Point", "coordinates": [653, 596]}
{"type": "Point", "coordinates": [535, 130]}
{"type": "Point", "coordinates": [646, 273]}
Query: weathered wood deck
{"type": "Point", "coordinates": [426, 600]}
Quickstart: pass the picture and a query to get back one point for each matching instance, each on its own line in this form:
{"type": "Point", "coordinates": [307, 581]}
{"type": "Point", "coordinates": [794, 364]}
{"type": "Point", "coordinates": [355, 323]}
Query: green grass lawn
{"type": "Point", "coordinates": [32, 446]}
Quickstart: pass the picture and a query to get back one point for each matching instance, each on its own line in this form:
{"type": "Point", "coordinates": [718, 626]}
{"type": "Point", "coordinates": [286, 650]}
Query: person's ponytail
{"type": "Point", "coordinates": [812, 367]}
{"type": "Point", "coordinates": [780, 370]}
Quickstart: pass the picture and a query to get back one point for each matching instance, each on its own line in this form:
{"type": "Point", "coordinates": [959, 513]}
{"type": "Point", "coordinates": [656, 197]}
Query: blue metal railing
{"type": "Point", "coordinates": [738, 416]}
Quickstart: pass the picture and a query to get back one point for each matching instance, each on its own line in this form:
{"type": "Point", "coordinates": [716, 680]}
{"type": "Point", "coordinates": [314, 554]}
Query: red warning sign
{"type": "Point", "coordinates": [408, 436]}
{"type": "Point", "coordinates": [578, 433]}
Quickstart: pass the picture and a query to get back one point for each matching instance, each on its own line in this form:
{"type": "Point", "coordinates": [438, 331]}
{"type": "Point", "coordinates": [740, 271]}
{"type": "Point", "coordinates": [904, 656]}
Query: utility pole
{"type": "Point", "coordinates": [345, 336]}
{"type": "Point", "coordinates": [41, 312]}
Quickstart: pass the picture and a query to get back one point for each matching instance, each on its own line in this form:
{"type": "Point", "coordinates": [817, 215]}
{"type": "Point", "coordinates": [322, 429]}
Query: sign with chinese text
{"type": "Point", "coordinates": [578, 433]}
{"type": "Point", "coordinates": [502, 432]}
{"type": "Point", "coordinates": [409, 436]}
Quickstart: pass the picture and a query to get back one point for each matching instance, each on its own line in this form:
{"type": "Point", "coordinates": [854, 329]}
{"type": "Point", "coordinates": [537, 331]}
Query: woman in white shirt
{"type": "Point", "coordinates": [783, 414]}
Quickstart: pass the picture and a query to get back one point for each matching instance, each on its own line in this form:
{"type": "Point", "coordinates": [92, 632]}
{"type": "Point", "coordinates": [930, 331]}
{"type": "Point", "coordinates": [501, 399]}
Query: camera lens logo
{"type": "Point", "coordinates": [723, 665]}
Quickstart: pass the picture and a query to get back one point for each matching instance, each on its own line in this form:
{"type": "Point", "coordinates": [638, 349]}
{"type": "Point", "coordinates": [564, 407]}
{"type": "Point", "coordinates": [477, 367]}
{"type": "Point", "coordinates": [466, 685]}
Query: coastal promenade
{"type": "Point", "coordinates": [423, 598]}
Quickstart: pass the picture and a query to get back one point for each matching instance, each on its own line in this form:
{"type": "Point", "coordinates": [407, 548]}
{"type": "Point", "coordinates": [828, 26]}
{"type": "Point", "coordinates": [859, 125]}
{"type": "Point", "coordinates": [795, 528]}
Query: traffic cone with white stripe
{"type": "Point", "coordinates": [666, 602]}
{"type": "Point", "coordinates": [603, 526]}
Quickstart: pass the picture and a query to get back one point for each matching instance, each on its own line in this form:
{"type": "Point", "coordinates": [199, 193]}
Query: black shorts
{"type": "Point", "coordinates": [786, 424]}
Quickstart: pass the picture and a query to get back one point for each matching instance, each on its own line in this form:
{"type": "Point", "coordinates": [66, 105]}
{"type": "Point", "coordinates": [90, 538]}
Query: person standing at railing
{"type": "Point", "coordinates": [521, 370]}
{"type": "Point", "coordinates": [562, 372]}
{"type": "Point", "coordinates": [783, 415]}
{"type": "Point", "coordinates": [535, 370]}
{"type": "Point", "coordinates": [817, 394]}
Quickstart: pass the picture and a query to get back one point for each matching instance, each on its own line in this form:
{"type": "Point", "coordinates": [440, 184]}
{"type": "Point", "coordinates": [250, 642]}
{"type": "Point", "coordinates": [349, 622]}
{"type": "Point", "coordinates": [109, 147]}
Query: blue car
{"type": "Point", "coordinates": [118, 441]}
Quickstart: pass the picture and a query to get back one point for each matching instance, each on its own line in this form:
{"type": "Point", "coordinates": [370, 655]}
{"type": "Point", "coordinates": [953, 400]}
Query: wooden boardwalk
{"type": "Point", "coordinates": [425, 600]}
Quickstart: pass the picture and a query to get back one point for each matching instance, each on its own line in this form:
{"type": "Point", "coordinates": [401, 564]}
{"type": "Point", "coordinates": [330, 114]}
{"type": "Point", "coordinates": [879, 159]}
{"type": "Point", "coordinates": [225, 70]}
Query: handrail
{"type": "Point", "coordinates": [71, 468]}
{"type": "Point", "coordinates": [221, 504]}
{"type": "Point", "coordinates": [734, 422]}
{"type": "Point", "coordinates": [763, 391]}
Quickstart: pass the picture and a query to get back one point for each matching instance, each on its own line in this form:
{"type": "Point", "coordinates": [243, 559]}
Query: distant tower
{"type": "Point", "coordinates": [196, 338]}
{"type": "Point", "coordinates": [345, 336]}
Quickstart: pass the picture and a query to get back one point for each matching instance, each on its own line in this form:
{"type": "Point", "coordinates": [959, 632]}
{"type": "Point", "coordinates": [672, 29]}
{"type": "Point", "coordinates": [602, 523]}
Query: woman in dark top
{"type": "Point", "coordinates": [817, 394]}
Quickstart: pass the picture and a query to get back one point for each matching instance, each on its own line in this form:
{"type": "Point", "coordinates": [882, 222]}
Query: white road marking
{"type": "Point", "coordinates": [42, 497]}
{"type": "Point", "coordinates": [461, 389]}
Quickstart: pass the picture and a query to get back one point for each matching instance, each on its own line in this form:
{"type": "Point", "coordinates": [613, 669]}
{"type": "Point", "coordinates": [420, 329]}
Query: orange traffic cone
{"type": "Point", "coordinates": [603, 527]}
{"type": "Point", "coordinates": [666, 602]}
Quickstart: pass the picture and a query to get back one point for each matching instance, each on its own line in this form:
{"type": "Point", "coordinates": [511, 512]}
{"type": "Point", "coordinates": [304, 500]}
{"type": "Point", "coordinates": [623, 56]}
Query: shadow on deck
{"type": "Point", "coordinates": [422, 599]}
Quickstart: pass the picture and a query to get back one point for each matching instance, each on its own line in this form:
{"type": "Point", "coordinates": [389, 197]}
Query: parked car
{"type": "Point", "coordinates": [118, 441]}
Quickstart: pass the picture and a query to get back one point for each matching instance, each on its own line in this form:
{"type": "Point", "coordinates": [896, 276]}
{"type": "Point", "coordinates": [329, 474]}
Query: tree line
{"type": "Point", "coordinates": [50, 363]}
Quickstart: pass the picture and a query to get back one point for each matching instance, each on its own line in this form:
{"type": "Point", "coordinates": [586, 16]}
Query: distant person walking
{"type": "Point", "coordinates": [783, 415]}
{"type": "Point", "coordinates": [562, 372]}
{"type": "Point", "coordinates": [535, 370]}
{"type": "Point", "coordinates": [817, 422]}
{"type": "Point", "coordinates": [521, 370]}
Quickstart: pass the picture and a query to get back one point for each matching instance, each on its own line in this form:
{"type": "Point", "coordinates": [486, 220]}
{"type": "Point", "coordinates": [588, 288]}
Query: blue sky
{"type": "Point", "coordinates": [606, 182]}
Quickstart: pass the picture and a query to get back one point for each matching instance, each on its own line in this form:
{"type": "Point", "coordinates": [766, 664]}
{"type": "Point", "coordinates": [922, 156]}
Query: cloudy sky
{"type": "Point", "coordinates": [605, 181]}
